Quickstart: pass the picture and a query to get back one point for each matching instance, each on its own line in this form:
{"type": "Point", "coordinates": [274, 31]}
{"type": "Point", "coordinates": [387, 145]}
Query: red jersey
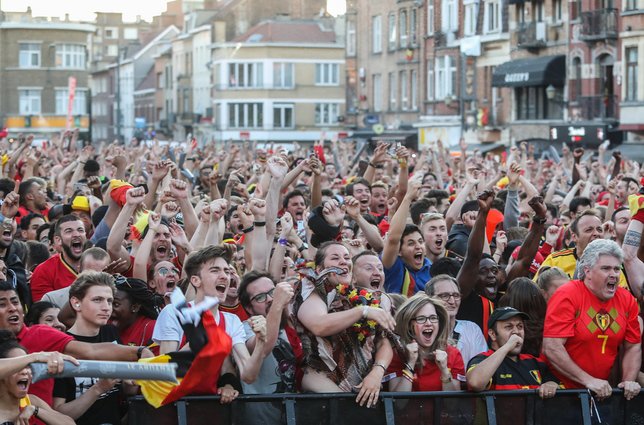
{"type": "Point", "coordinates": [55, 273]}
{"type": "Point", "coordinates": [237, 310]}
{"type": "Point", "coordinates": [429, 378]}
{"type": "Point", "coordinates": [593, 329]}
{"type": "Point", "coordinates": [23, 212]}
{"type": "Point", "coordinates": [43, 338]}
{"type": "Point", "coordinates": [138, 333]}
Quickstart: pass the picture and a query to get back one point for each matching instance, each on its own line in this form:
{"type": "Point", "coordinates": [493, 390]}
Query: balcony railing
{"type": "Point", "coordinates": [453, 408]}
{"type": "Point", "coordinates": [598, 107]}
{"type": "Point", "coordinates": [531, 35]}
{"type": "Point", "coordinates": [599, 24]}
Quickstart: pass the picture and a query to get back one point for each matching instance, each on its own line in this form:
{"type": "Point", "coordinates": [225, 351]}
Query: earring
{"type": "Point", "coordinates": [77, 305]}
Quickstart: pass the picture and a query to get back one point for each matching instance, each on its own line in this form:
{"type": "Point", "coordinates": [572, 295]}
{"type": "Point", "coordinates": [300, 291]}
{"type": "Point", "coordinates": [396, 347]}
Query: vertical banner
{"type": "Point", "coordinates": [71, 90]}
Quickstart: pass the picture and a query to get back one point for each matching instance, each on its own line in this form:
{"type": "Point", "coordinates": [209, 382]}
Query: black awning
{"type": "Point", "coordinates": [541, 71]}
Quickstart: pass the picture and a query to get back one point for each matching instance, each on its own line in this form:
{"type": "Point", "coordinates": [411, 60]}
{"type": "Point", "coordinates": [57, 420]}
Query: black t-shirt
{"type": "Point", "coordinates": [106, 409]}
{"type": "Point", "coordinates": [472, 309]}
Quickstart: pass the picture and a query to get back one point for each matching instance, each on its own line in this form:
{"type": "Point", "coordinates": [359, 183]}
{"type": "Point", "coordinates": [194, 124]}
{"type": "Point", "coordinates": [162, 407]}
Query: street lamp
{"type": "Point", "coordinates": [551, 92]}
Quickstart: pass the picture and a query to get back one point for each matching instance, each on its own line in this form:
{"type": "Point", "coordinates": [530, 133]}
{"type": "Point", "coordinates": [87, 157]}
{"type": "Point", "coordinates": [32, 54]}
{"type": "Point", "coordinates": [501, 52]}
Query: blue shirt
{"type": "Point", "coordinates": [395, 276]}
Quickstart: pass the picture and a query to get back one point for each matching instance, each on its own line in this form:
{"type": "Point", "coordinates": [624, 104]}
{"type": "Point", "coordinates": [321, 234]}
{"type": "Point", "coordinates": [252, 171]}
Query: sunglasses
{"type": "Point", "coordinates": [261, 298]}
{"type": "Point", "coordinates": [164, 271]}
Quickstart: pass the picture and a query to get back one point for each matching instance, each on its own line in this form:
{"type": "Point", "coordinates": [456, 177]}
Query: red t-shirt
{"type": "Point", "coordinates": [594, 329]}
{"type": "Point", "coordinates": [23, 212]}
{"type": "Point", "coordinates": [53, 274]}
{"type": "Point", "coordinates": [237, 310]}
{"type": "Point", "coordinates": [138, 333]}
{"type": "Point", "coordinates": [429, 379]}
{"type": "Point", "coordinates": [43, 338]}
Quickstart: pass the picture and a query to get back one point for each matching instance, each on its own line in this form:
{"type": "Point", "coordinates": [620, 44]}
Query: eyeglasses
{"type": "Point", "coordinates": [422, 319]}
{"type": "Point", "coordinates": [164, 271]}
{"type": "Point", "coordinates": [261, 298]}
{"type": "Point", "coordinates": [446, 296]}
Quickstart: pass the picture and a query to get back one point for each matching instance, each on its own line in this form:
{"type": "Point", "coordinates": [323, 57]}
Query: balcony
{"type": "Point", "coordinates": [599, 24]}
{"type": "Point", "coordinates": [531, 35]}
{"type": "Point", "coordinates": [447, 407]}
{"type": "Point", "coordinates": [598, 107]}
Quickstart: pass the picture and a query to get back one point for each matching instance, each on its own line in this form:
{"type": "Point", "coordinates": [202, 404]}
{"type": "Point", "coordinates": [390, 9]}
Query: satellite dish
{"type": "Point", "coordinates": [378, 128]}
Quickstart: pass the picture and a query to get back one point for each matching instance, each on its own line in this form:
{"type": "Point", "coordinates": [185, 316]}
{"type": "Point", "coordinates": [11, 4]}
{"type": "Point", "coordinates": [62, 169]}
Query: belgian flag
{"type": "Point", "coordinates": [200, 367]}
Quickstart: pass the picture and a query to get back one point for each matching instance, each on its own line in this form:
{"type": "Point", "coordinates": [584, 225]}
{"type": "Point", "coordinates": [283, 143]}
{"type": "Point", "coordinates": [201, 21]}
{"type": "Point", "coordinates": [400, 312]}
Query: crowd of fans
{"type": "Point", "coordinates": [329, 268]}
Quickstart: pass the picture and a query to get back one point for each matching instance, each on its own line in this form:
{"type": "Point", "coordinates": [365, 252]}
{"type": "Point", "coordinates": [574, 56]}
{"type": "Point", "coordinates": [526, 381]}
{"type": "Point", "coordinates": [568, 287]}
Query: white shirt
{"type": "Point", "coordinates": [471, 341]}
{"type": "Point", "coordinates": [168, 327]}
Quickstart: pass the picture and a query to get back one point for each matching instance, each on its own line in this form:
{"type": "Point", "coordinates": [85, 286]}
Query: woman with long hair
{"type": "Point", "coordinates": [16, 405]}
{"type": "Point", "coordinates": [524, 295]}
{"type": "Point", "coordinates": [135, 311]}
{"type": "Point", "coordinates": [422, 323]}
{"type": "Point", "coordinates": [340, 329]}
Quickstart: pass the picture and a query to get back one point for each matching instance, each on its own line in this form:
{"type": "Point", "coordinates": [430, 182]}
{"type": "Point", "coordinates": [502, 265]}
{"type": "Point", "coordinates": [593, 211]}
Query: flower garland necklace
{"type": "Point", "coordinates": [363, 327]}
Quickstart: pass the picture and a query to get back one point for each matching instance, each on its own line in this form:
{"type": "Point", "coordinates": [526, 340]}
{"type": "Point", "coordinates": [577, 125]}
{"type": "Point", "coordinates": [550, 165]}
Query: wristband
{"type": "Point", "coordinates": [36, 411]}
{"type": "Point", "coordinates": [384, 369]}
{"type": "Point", "coordinates": [139, 352]}
{"type": "Point", "coordinates": [282, 241]}
{"type": "Point", "coordinates": [539, 220]}
{"type": "Point", "coordinates": [249, 229]}
{"type": "Point", "coordinates": [365, 312]}
{"type": "Point", "coordinates": [260, 223]}
{"type": "Point", "coordinates": [371, 164]}
{"type": "Point", "coordinates": [229, 379]}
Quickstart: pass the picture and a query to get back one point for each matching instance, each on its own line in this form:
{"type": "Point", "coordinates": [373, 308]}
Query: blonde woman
{"type": "Point", "coordinates": [431, 364]}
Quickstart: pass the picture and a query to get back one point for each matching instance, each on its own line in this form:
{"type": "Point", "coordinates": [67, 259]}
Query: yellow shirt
{"type": "Point", "coordinates": [566, 260]}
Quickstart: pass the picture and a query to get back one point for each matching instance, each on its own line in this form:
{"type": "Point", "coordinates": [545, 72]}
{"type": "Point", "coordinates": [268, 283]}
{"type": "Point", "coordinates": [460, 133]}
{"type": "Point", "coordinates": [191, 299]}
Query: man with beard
{"type": "Point", "coordinates": [503, 367]}
{"type": "Point", "coordinates": [33, 197]}
{"type": "Point", "coordinates": [279, 372]}
{"type": "Point", "coordinates": [60, 270]}
{"type": "Point", "coordinates": [406, 268]}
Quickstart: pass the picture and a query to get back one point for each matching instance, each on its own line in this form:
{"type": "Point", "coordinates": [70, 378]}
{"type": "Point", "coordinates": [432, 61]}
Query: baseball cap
{"type": "Point", "coordinates": [536, 261]}
{"type": "Point", "coordinates": [504, 313]}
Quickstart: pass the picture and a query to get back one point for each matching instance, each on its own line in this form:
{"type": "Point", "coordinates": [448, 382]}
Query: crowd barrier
{"type": "Point", "coordinates": [568, 407]}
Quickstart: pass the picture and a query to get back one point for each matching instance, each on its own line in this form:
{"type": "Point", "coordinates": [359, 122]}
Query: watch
{"type": "Point", "coordinates": [303, 247]}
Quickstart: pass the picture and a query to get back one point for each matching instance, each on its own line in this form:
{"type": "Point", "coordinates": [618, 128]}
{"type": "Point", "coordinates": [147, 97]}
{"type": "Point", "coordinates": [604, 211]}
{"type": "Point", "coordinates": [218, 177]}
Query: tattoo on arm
{"type": "Point", "coordinates": [632, 238]}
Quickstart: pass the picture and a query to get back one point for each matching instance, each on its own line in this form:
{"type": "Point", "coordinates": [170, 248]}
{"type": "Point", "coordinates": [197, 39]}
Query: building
{"type": "Point", "coordinates": [631, 107]}
{"type": "Point", "coordinates": [281, 81]}
{"type": "Point", "coordinates": [112, 34]}
{"type": "Point", "coordinates": [39, 61]}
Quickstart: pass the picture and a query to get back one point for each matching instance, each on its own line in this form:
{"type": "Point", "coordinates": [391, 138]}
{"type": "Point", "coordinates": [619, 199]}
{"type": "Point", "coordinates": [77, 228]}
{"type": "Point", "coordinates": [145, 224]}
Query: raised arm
{"type": "Point", "coordinates": [453, 212]}
{"type": "Point", "coordinates": [475, 243]}
{"type": "Point", "coordinates": [530, 246]}
{"type": "Point", "coordinates": [379, 156]}
{"type": "Point", "coordinates": [633, 266]}
{"type": "Point", "coordinates": [180, 191]}
{"type": "Point", "coordinates": [134, 198]}
{"type": "Point", "coordinates": [397, 226]}
{"type": "Point", "coordinates": [371, 232]}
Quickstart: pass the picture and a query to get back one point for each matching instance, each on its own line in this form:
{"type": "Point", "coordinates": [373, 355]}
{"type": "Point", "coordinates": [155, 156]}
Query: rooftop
{"type": "Point", "coordinates": [296, 31]}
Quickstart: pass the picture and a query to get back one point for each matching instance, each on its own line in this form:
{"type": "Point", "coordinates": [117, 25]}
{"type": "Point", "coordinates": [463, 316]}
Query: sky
{"type": "Point", "coordinates": [84, 9]}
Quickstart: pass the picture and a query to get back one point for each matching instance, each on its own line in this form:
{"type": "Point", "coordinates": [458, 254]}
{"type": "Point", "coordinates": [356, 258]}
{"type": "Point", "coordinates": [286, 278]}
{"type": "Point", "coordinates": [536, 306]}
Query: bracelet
{"type": "Point", "coordinates": [539, 220]}
{"type": "Point", "coordinates": [36, 411]}
{"type": "Point", "coordinates": [365, 312]}
{"type": "Point", "coordinates": [260, 223]}
{"type": "Point", "coordinates": [139, 352]}
{"type": "Point", "coordinates": [249, 229]}
{"type": "Point", "coordinates": [384, 369]}
{"type": "Point", "coordinates": [371, 164]}
{"type": "Point", "coordinates": [282, 241]}
{"type": "Point", "coordinates": [408, 378]}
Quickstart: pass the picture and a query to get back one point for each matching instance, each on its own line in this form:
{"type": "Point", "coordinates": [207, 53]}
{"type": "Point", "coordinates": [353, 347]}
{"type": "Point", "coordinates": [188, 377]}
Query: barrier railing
{"type": "Point", "coordinates": [568, 407]}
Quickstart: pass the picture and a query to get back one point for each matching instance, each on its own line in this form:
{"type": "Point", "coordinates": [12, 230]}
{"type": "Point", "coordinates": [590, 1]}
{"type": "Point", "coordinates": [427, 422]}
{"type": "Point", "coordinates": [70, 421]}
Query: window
{"type": "Point", "coordinates": [469, 24]}
{"type": "Point", "coordinates": [326, 113]}
{"type": "Point", "coordinates": [557, 11]}
{"type": "Point", "coordinates": [430, 18]}
{"type": "Point", "coordinates": [70, 56]}
{"type": "Point", "coordinates": [404, 91]}
{"type": "Point", "coordinates": [376, 34]}
{"type": "Point", "coordinates": [630, 5]}
{"type": "Point", "coordinates": [537, 11]}
{"type": "Point", "coordinates": [245, 75]}
{"type": "Point", "coordinates": [631, 73]}
{"type": "Point", "coordinates": [283, 75]}
{"type": "Point", "coordinates": [283, 115]}
{"type": "Point", "coordinates": [493, 16]}
{"type": "Point", "coordinates": [351, 38]}
{"type": "Point", "coordinates": [245, 115]}
{"type": "Point", "coordinates": [430, 80]}
{"type": "Point", "coordinates": [29, 56]}
{"type": "Point", "coordinates": [80, 102]}
{"type": "Point", "coordinates": [29, 101]}
{"type": "Point", "coordinates": [130, 33]}
{"type": "Point", "coordinates": [414, 90]}
{"type": "Point", "coordinates": [112, 33]}
{"type": "Point", "coordinates": [576, 89]}
{"type": "Point", "coordinates": [413, 27]}
{"type": "Point", "coordinates": [327, 74]}
{"type": "Point", "coordinates": [377, 92]}
{"type": "Point", "coordinates": [449, 15]}
{"type": "Point", "coordinates": [520, 12]}
{"type": "Point", "coordinates": [112, 50]}
{"type": "Point", "coordinates": [403, 29]}
{"type": "Point", "coordinates": [445, 77]}
{"type": "Point", "coordinates": [393, 34]}
{"type": "Point", "coordinates": [533, 104]}
{"type": "Point", "coordinates": [576, 9]}
{"type": "Point", "coordinates": [392, 91]}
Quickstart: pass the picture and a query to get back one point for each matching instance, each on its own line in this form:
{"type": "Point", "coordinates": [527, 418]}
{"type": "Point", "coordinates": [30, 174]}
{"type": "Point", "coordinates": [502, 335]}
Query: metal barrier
{"type": "Point", "coordinates": [569, 407]}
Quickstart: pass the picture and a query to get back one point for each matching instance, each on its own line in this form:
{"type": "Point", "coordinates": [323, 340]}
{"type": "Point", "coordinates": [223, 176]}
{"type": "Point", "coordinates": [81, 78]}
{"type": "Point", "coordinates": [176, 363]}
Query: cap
{"type": "Point", "coordinates": [504, 313]}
